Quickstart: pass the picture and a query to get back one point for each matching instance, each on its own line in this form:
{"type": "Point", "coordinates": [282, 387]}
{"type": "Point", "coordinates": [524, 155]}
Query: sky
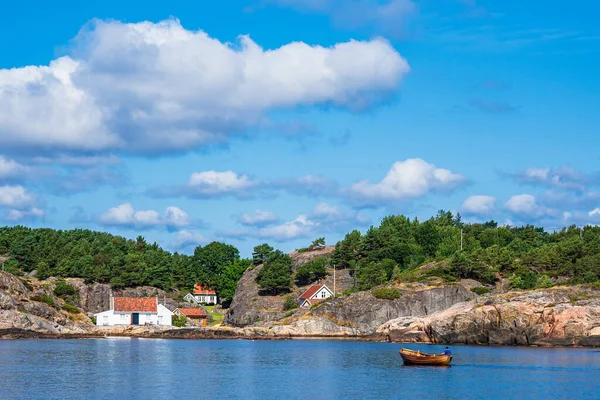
{"type": "Point", "coordinates": [281, 121]}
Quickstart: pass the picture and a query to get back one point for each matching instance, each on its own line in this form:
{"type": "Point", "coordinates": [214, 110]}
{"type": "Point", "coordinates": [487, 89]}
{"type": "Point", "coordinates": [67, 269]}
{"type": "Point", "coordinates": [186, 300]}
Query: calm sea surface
{"type": "Point", "coordinates": [124, 368]}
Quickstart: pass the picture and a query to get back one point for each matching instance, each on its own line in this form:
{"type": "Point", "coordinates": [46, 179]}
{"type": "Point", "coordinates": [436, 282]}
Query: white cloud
{"type": "Point", "coordinates": [186, 238]}
{"type": "Point", "coordinates": [567, 178]}
{"type": "Point", "coordinates": [10, 168]}
{"type": "Point", "coordinates": [257, 218]}
{"type": "Point", "coordinates": [481, 205]}
{"type": "Point", "coordinates": [157, 88]}
{"type": "Point", "coordinates": [21, 215]}
{"type": "Point", "coordinates": [176, 217]}
{"type": "Point", "coordinates": [125, 215]}
{"type": "Point", "coordinates": [298, 228]}
{"type": "Point", "coordinates": [595, 212]}
{"type": "Point", "coordinates": [526, 206]}
{"type": "Point", "coordinates": [212, 183]}
{"type": "Point", "coordinates": [407, 179]}
{"type": "Point", "coordinates": [16, 197]}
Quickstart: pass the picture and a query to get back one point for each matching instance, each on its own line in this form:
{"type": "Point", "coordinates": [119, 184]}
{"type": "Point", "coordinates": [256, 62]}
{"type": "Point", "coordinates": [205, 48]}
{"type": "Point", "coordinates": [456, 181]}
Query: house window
{"type": "Point", "coordinates": [123, 317]}
{"type": "Point", "coordinates": [323, 294]}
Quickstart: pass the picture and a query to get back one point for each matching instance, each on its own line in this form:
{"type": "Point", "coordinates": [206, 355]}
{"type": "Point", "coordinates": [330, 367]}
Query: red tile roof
{"type": "Point", "coordinates": [314, 301]}
{"type": "Point", "coordinates": [311, 291]}
{"type": "Point", "coordinates": [193, 312]}
{"type": "Point", "coordinates": [201, 289]}
{"type": "Point", "coordinates": [136, 304]}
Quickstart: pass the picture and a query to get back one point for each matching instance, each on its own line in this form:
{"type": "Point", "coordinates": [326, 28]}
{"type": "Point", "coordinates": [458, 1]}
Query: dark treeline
{"type": "Point", "coordinates": [529, 256]}
{"type": "Point", "coordinates": [105, 258]}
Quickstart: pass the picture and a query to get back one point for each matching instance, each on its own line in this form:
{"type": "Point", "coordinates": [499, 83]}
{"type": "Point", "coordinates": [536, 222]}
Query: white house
{"type": "Point", "coordinates": [202, 294]}
{"type": "Point", "coordinates": [135, 311]}
{"type": "Point", "coordinates": [314, 295]}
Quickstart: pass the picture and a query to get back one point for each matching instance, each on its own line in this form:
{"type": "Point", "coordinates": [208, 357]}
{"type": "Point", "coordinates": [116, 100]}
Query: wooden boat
{"type": "Point", "coordinates": [411, 357]}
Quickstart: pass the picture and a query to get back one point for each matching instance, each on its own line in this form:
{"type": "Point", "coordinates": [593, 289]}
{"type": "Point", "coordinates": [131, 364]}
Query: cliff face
{"type": "Point", "coordinates": [248, 307]}
{"type": "Point", "coordinates": [561, 316]}
{"type": "Point", "coordinates": [22, 310]}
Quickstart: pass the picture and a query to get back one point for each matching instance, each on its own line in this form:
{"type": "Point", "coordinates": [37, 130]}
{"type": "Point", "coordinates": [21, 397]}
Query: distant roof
{"type": "Point", "coordinates": [201, 289]}
{"type": "Point", "coordinates": [312, 301]}
{"type": "Point", "coordinates": [192, 312]}
{"type": "Point", "coordinates": [311, 291]}
{"type": "Point", "coordinates": [136, 304]}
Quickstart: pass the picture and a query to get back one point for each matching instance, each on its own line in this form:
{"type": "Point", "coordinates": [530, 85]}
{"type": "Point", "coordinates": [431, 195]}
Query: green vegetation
{"type": "Point", "coordinates": [101, 257]}
{"type": "Point", "coordinates": [289, 303]}
{"type": "Point", "coordinates": [261, 253]}
{"type": "Point", "coordinates": [288, 314]}
{"type": "Point", "coordinates": [45, 298]}
{"type": "Point", "coordinates": [480, 290]}
{"type": "Point", "coordinates": [386, 293]}
{"type": "Point", "coordinates": [316, 244]}
{"type": "Point", "coordinates": [529, 256]}
{"type": "Point", "coordinates": [65, 291]}
{"type": "Point", "coordinates": [70, 308]}
{"type": "Point", "coordinates": [276, 275]}
{"type": "Point", "coordinates": [179, 320]}
{"type": "Point", "coordinates": [312, 271]}
{"type": "Point", "coordinates": [217, 318]}
{"type": "Point", "coordinates": [93, 319]}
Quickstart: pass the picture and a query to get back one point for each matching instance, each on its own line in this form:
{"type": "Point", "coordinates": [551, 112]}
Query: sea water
{"type": "Point", "coordinates": [128, 368]}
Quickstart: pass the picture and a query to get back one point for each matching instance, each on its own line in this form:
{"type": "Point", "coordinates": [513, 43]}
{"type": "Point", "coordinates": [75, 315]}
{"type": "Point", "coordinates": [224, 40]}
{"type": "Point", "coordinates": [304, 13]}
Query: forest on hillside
{"type": "Point", "coordinates": [105, 258]}
{"type": "Point", "coordinates": [529, 256]}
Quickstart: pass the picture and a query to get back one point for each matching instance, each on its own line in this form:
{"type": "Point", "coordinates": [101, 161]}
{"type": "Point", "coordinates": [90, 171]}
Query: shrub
{"type": "Point", "coordinates": [544, 281]}
{"type": "Point", "coordinates": [312, 271]}
{"type": "Point", "coordinates": [44, 298]}
{"type": "Point", "coordinates": [386, 293]}
{"type": "Point", "coordinates": [480, 290]}
{"type": "Point", "coordinates": [289, 303]}
{"type": "Point", "coordinates": [93, 319]}
{"type": "Point", "coordinates": [288, 314]}
{"type": "Point", "coordinates": [70, 308]}
{"type": "Point", "coordinates": [179, 320]}
{"type": "Point", "coordinates": [524, 279]}
{"type": "Point", "coordinates": [65, 290]}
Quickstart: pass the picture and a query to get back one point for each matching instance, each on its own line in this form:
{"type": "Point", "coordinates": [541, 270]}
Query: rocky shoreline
{"type": "Point", "coordinates": [424, 313]}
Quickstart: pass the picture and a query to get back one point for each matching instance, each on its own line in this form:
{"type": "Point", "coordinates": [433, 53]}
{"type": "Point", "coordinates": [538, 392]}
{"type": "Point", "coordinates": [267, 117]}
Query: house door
{"type": "Point", "coordinates": [135, 319]}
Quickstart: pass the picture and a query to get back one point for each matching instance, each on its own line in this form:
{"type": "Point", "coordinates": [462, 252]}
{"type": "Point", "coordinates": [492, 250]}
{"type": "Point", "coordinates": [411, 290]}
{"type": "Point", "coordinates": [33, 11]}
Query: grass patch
{"type": "Point", "coordinates": [386, 293]}
{"type": "Point", "coordinates": [70, 308]}
{"type": "Point", "coordinates": [44, 298]}
{"type": "Point", "coordinates": [288, 314]}
{"type": "Point", "coordinates": [577, 296]}
{"type": "Point", "coordinates": [217, 318]}
{"type": "Point", "coordinates": [480, 290]}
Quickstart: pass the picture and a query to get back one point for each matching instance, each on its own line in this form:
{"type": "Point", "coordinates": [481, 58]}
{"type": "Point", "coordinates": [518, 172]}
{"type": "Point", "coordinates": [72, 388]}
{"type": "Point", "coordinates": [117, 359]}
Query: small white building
{"type": "Point", "coordinates": [202, 294]}
{"type": "Point", "coordinates": [315, 294]}
{"type": "Point", "coordinates": [134, 311]}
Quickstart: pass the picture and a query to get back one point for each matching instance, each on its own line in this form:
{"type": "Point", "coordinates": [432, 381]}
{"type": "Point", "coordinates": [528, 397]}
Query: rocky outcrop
{"type": "Point", "coordinates": [366, 313]}
{"type": "Point", "coordinates": [249, 307]}
{"type": "Point", "coordinates": [561, 316]}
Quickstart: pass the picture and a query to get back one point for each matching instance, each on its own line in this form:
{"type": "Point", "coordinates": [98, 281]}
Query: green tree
{"type": "Point", "coordinates": [42, 270]}
{"type": "Point", "coordinates": [276, 274]}
{"type": "Point", "coordinates": [312, 271]}
{"type": "Point", "coordinates": [211, 261]}
{"type": "Point", "coordinates": [370, 275]}
{"type": "Point", "coordinates": [229, 279]}
{"type": "Point", "coordinates": [261, 253]}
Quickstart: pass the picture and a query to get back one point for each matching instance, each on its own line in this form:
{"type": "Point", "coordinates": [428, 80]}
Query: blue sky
{"type": "Point", "coordinates": [284, 120]}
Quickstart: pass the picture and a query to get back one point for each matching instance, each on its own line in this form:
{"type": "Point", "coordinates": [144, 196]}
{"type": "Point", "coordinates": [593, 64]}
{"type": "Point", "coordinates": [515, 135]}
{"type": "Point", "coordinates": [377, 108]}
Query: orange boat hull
{"type": "Point", "coordinates": [411, 357]}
